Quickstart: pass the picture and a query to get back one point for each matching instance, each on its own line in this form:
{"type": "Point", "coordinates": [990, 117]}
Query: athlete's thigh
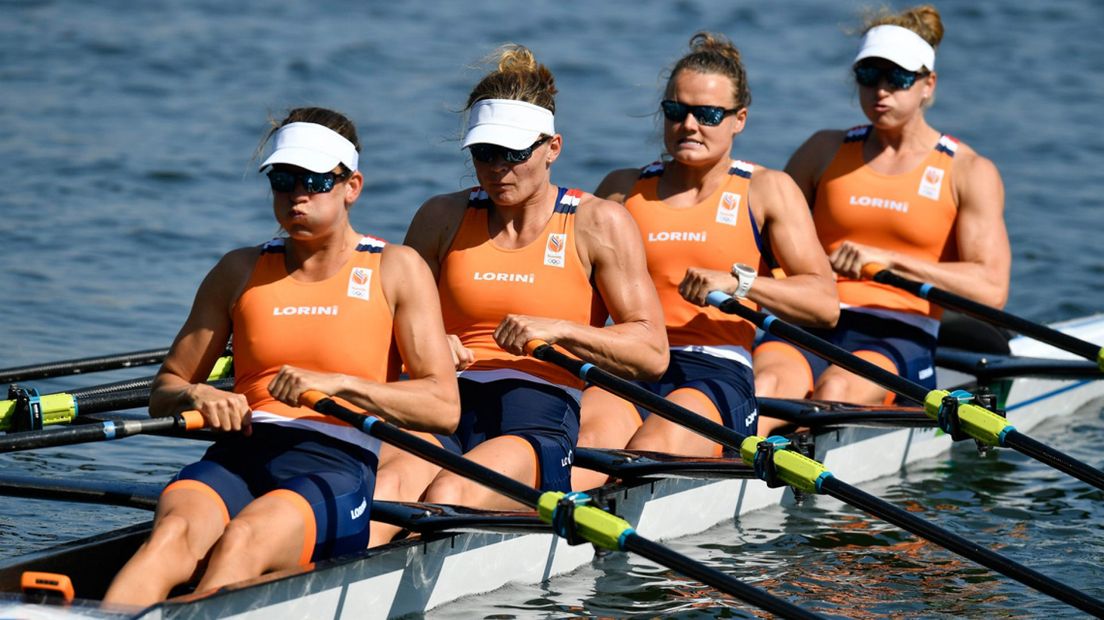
{"type": "Point", "coordinates": [781, 371]}
{"type": "Point", "coordinates": [606, 420]}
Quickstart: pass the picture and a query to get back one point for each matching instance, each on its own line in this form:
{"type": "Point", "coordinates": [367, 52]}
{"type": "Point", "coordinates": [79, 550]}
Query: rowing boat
{"type": "Point", "coordinates": [464, 552]}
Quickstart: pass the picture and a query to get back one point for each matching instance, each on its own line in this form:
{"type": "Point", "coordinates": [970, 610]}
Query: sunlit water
{"type": "Point", "coordinates": [126, 170]}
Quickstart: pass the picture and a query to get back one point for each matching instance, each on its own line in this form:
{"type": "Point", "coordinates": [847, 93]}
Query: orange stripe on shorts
{"type": "Point", "coordinates": [196, 485]}
{"type": "Point", "coordinates": [310, 528]}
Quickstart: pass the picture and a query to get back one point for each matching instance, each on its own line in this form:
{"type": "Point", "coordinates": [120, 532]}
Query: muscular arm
{"type": "Point", "coordinates": [807, 295]}
{"type": "Point", "coordinates": [429, 400]}
{"type": "Point", "coordinates": [180, 383]}
{"type": "Point", "coordinates": [635, 345]}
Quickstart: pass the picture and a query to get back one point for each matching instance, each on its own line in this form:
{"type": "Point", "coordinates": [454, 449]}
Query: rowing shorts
{"type": "Point", "coordinates": [729, 384]}
{"type": "Point", "coordinates": [544, 415]}
{"type": "Point", "coordinates": [334, 477]}
{"type": "Point", "coordinates": [912, 350]}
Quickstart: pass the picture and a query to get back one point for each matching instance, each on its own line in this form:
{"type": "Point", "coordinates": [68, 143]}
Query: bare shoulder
{"type": "Point", "coordinates": [237, 264]}
{"type": "Point", "coordinates": [769, 178]}
{"type": "Point", "coordinates": [977, 181]}
{"type": "Point", "coordinates": [442, 207]}
{"type": "Point", "coordinates": [970, 162]}
{"type": "Point", "coordinates": [601, 214]}
{"type": "Point", "coordinates": [436, 222]}
{"type": "Point", "coordinates": [816, 147]}
{"type": "Point", "coordinates": [401, 258]}
{"type": "Point", "coordinates": [617, 184]}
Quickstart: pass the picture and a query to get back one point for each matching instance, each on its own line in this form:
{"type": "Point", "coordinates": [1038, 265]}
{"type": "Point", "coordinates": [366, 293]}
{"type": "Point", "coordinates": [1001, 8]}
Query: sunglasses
{"type": "Point", "coordinates": [896, 77]}
{"type": "Point", "coordinates": [708, 115]}
{"type": "Point", "coordinates": [487, 153]}
{"type": "Point", "coordinates": [313, 182]}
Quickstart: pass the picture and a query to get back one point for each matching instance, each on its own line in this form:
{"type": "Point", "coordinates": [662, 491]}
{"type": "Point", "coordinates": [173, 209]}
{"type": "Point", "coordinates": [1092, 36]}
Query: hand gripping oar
{"type": "Point", "coordinates": [778, 465]}
{"type": "Point", "coordinates": [100, 431]}
{"type": "Point", "coordinates": [570, 516]}
{"type": "Point", "coordinates": [84, 364]}
{"type": "Point", "coordinates": [954, 412]}
{"type": "Point", "coordinates": [30, 411]}
{"type": "Point", "coordinates": [947, 299]}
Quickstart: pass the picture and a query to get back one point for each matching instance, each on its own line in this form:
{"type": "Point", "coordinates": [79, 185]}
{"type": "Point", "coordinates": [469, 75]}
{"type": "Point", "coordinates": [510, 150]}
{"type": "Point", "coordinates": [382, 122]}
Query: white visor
{"type": "Point", "coordinates": [898, 45]}
{"type": "Point", "coordinates": [311, 146]}
{"type": "Point", "coordinates": [509, 123]}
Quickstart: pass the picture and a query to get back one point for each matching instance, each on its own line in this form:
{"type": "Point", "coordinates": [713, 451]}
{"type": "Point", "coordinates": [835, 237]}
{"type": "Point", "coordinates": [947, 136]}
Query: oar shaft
{"type": "Point", "coordinates": [108, 430]}
{"type": "Point", "coordinates": [710, 576]}
{"type": "Point", "coordinates": [86, 364]}
{"type": "Point", "coordinates": [1056, 459]}
{"type": "Point", "coordinates": [634, 393]}
{"type": "Point", "coordinates": [968, 549]}
{"type": "Point", "coordinates": [838, 356]}
{"type": "Point", "coordinates": [91, 491]}
{"type": "Point", "coordinates": [972, 308]}
{"type": "Point", "coordinates": [434, 454]}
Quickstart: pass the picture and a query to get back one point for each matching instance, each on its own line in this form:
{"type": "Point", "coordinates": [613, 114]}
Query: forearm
{"type": "Point", "coordinates": [424, 404]}
{"type": "Point", "coordinates": [807, 299]}
{"type": "Point", "coordinates": [983, 283]}
{"type": "Point", "coordinates": [170, 394]}
{"type": "Point", "coordinates": [633, 349]}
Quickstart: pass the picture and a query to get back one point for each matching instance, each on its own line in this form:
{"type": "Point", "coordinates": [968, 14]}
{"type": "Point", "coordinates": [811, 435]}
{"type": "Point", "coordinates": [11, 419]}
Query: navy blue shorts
{"type": "Point", "coordinates": [335, 478]}
{"type": "Point", "coordinates": [729, 384]}
{"type": "Point", "coordinates": [544, 415]}
{"type": "Point", "coordinates": [911, 349]}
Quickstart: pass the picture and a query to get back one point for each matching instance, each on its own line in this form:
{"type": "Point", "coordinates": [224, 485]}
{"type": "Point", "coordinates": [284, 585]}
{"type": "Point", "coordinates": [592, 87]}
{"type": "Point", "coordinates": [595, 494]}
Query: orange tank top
{"type": "Point", "coordinates": [341, 324]}
{"type": "Point", "coordinates": [480, 283]}
{"type": "Point", "coordinates": [912, 213]}
{"type": "Point", "coordinates": [715, 233]}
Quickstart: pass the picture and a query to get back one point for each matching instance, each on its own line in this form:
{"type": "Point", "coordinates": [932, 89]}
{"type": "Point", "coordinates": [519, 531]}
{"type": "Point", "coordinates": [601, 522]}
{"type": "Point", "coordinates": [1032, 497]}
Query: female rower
{"type": "Point", "coordinates": [899, 193]}
{"type": "Point", "coordinates": [700, 208]}
{"type": "Point", "coordinates": [323, 308]}
{"type": "Point", "coordinates": [518, 259]}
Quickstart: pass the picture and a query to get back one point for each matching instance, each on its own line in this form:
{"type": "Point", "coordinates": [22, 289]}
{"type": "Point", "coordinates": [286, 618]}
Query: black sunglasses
{"type": "Point", "coordinates": [708, 115]}
{"type": "Point", "coordinates": [897, 78]}
{"type": "Point", "coordinates": [487, 153]}
{"type": "Point", "coordinates": [313, 182]}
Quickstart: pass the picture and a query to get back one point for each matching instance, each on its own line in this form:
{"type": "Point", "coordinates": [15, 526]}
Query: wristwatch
{"type": "Point", "coordinates": [746, 275]}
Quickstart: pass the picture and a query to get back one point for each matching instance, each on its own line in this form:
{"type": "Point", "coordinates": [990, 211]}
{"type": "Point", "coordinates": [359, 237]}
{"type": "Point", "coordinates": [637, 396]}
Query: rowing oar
{"type": "Point", "coordinates": [775, 463]}
{"type": "Point", "coordinates": [569, 515]}
{"type": "Point", "coordinates": [954, 412]}
{"type": "Point", "coordinates": [947, 299]}
{"type": "Point", "coordinates": [30, 411]}
{"type": "Point", "coordinates": [100, 431]}
{"type": "Point", "coordinates": [84, 364]}
{"type": "Point", "coordinates": [89, 490]}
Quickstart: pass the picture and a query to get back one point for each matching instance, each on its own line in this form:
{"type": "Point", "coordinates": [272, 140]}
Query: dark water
{"type": "Point", "coordinates": [127, 131]}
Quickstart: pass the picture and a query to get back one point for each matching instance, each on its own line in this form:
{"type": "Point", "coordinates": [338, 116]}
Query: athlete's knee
{"type": "Point", "coordinates": [835, 387]}
{"type": "Point", "coordinates": [766, 383]}
{"type": "Point", "coordinates": [446, 489]}
{"type": "Point", "coordinates": [238, 538]}
{"type": "Point", "coordinates": [389, 485]}
{"type": "Point", "coordinates": [170, 538]}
